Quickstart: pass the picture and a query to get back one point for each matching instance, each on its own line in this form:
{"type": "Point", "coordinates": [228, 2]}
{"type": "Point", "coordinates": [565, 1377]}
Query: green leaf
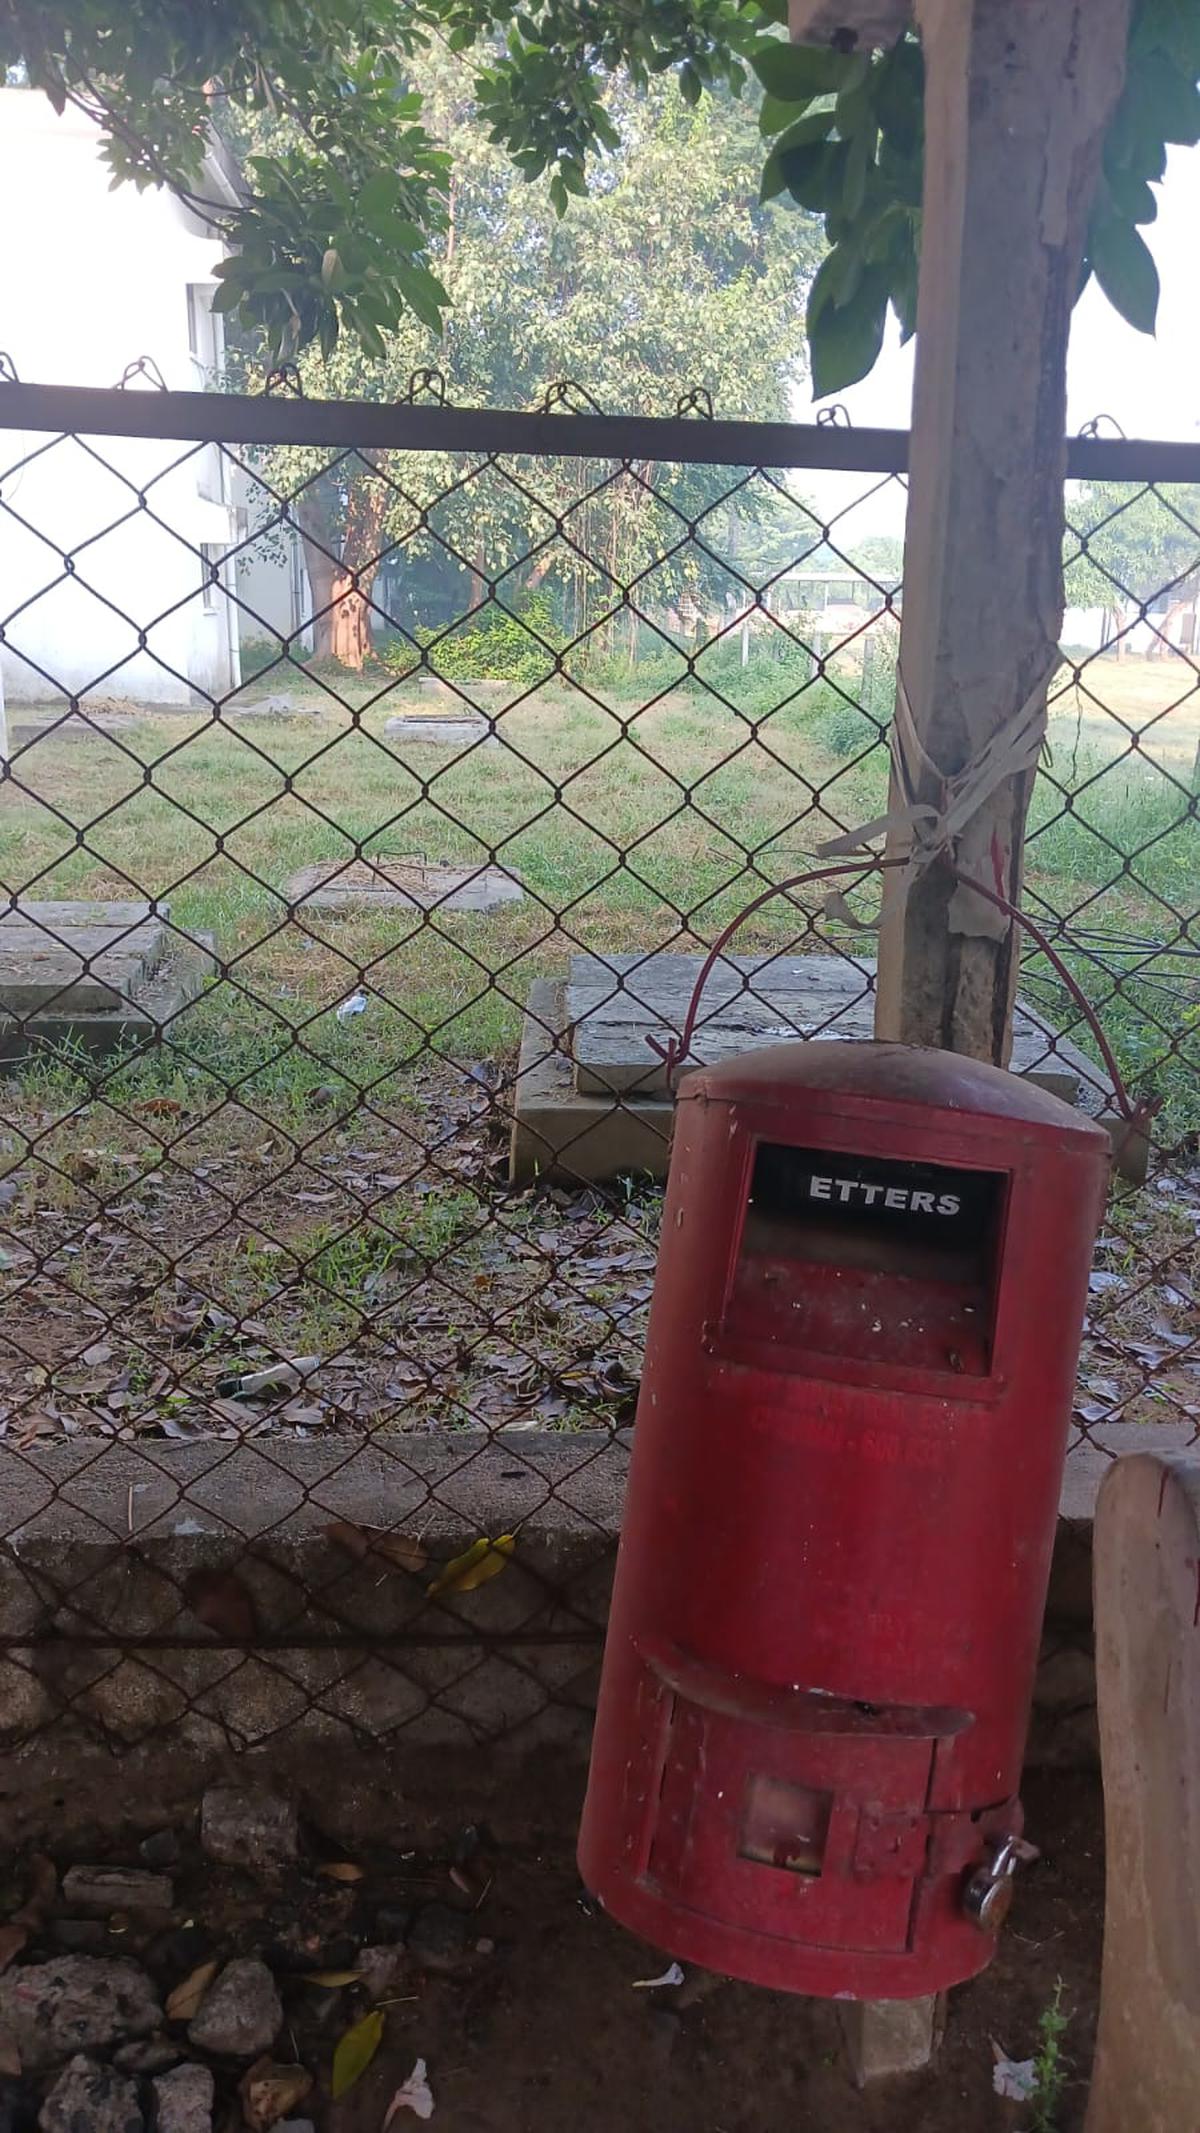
{"type": "Point", "coordinates": [1167, 97]}
{"type": "Point", "coordinates": [854, 178]}
{"type": "Point", "coordinates": [775, 113]}
{"type": "Point", "coordinates": [355, 2051]}
{"type": "Point", "coordinates": [1131, 196]}
{"type": "Point", "coordinates": [813, 173]}
{"type": "Point", "coordinates": [378, 195]}
{"type": "Point", "coordinates": [845, 339]}
{"type": "Point", "coordinates": [1124, 267]}
{"type": "Point", "coordinates": [795, 73]}
{"type": "Point", "coordinates": [805, 131]}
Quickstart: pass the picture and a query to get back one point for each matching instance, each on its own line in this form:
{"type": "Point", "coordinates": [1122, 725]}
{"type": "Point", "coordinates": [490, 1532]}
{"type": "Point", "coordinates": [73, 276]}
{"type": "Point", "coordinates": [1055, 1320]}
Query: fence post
{"type": "Point", "coordinates": [1017, 100]}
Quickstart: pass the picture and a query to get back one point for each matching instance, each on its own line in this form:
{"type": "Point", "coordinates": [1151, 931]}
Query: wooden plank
{"type": "Point", "coordinates": [1147, 1548]}
{"type": "Point", "coordinates": [1017, 101]}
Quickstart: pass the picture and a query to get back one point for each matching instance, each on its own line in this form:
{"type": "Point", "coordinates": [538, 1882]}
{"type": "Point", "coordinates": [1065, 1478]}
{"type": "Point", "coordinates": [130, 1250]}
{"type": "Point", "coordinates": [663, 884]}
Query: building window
{"type": "Point", "coordinates": [197, 311]}
{"type": "Point", "coordinates": [206, 343]}
{"type": "Point", "coordinates": [210, 586]}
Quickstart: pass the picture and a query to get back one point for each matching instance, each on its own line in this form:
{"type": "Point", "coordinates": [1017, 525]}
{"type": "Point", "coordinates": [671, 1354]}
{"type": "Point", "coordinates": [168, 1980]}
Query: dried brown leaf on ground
{"type": "Point", "coordinates": [270, 2092]}
{"type": "Point", "coordinates": [398, 1550]}
{"type": "Point", "coordinates": [43, 1888]}
{"type": "Point", "coordinates": [184, 2002]}
{"type": "Point", "coordinates": [12, 1940]}
{"type": "Point", "coordinates": [220, 1600]}
{"type": "Point", "coordinates": [340, 1870]}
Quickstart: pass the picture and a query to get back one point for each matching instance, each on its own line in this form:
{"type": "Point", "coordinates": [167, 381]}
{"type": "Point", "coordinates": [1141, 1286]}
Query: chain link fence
{"type": "Point", "coordinates": [369, 772]}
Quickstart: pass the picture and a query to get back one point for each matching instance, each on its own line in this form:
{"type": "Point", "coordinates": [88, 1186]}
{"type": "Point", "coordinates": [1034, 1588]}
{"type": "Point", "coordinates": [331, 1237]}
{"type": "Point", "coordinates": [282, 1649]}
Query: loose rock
{"type": "Point", "coordinates": [382, 1970]}
{"type": "Point", "coordinates": [116, 1888]}
{"type": "Point", "coordinates": [439, 1938]}
{"type": "Point", "coordinates": [241, 2015]}
{"type": "Point", "coordinates": [160, 1851]}
{"type": "Point", "coordinates": [152, 2055]}
{"type": "Point", "coordinates": [254, 1829]}
{"type": "Point", "coordinates": [76, 1935]}
{"type": "Point", "coordinates": [183, 2101]}
{"type": "Point", "coordinates": [90, 2096]}
{"type": "Point", "coordinates": [76, 2002]}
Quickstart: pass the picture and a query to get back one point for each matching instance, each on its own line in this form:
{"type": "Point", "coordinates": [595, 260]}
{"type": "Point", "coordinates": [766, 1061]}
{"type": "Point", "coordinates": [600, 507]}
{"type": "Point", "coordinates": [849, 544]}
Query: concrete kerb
{"type": "Point", "coordinates": [191, 1599]}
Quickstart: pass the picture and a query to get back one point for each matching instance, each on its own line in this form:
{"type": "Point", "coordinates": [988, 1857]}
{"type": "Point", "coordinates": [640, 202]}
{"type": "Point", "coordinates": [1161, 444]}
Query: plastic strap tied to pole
{"type": "Point", "coordinates": [933, 830]}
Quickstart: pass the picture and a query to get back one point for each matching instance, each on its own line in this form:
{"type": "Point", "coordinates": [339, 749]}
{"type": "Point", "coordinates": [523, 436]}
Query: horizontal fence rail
{"type": "Point", "coordinates": [375, 778]}
{"type": "Point", "coordinates": [423, 425]}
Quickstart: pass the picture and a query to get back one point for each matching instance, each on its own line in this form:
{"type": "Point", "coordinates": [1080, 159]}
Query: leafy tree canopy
{"type": "Point", "coordinates": [1127, 545]}
{"type": "Point", "coordinates": [597, 295]}
{"type": "Point", "coordinates": [336, 229]}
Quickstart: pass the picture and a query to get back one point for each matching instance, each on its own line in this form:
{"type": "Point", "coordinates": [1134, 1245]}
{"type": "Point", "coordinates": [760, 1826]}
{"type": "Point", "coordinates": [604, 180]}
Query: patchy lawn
{"type": "Point", "coordinates": [276, 1182]}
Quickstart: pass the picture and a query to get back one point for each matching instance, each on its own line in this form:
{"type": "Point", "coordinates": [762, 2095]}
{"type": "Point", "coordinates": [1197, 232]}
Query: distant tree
{"type": "Point", "coordinates": [669, 277]}
{"type": "Point", "coordinates": [1127, 544]}
{"type": "Point", "coordinates": [340, 226]}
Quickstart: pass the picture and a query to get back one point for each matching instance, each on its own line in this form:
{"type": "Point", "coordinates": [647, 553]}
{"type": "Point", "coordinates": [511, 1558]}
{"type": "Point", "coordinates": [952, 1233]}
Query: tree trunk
{"type": "Point", "coordinates": [321, 569]}
{"type": "Point", "coordinates": [350, 637]}
{"type": "Point", "coordinates": [342, 573]}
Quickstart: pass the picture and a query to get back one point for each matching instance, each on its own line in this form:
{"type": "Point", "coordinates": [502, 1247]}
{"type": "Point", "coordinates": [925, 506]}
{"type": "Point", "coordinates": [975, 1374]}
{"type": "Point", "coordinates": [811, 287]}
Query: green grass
{"type": "Point", "coordinates": [1050, 2067]}
{"type": "Point", "coordinates": [333, 1188]}
{"type": "Point", "coordinates": [631, 828]}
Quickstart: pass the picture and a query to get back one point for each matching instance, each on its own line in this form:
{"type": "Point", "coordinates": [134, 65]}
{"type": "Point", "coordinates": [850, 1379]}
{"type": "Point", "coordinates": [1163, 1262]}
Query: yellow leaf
{"type": "Point", "coordinates": [184, 2002]}
{"type": "Point", "coordinates": [331, 1979]}
{"type": "Point", "coordinates": [340, 1870]}
{"type": "Point", "coordinates": [484, 1559]}
{"type": "Point", "coordinates": [356, 2050]}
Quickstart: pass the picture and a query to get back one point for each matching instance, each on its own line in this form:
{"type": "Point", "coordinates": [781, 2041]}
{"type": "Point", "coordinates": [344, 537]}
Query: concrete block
{"type": "Point", "coordinates": [557, 1132]}
{"type": "Point", "coordinates": [591, 1098]}
{"type": "Point", "coordinates": [406, 730]}
{"type": "Point", "coordinates": [98, 974]}
{"type": "Point", "coordinates": [411, 883]}
{"type": "Point", "coordinates": [888, 2037]}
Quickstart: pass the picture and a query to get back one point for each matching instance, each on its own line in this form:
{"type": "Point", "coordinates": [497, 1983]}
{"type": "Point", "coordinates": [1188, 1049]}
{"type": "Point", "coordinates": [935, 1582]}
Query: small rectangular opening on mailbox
{"type": "Point", "coordinates": [869, 1257]}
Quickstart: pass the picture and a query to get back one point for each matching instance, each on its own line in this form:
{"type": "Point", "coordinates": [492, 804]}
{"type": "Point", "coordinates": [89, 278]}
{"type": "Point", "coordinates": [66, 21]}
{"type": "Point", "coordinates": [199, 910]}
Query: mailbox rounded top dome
{"type": "Point", "coordinates": [890, 1073]}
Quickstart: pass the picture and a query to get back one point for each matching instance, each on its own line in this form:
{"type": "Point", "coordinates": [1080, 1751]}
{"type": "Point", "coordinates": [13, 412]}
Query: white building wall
{"type": "Point", "coordinates": [101, 573]}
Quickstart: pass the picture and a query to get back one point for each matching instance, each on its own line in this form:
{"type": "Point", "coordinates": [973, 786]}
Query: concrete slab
{"type": "Point", "coordinates": [888, 2037]}
{"type": "Point", "coordinates": [335, 885]}
{"type": "Point", "coordinates": [282, 708]}
{"type": "Point", "coordinates": [93, 973]}
{"type": "Point", "coordinates": [418, 728]}
{"type": "Point", "coordinates": [90, 957]}
{"type": "Point", "coordinates": [559, 1132]}
{"type": "Point", "coordinates": [615, 1002]}
{"type": "Point", "coordinates": [587, 1108]}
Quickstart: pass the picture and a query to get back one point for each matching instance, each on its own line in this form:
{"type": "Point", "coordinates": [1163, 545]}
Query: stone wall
{"type": "Point", "coordinates": [172, 1610]}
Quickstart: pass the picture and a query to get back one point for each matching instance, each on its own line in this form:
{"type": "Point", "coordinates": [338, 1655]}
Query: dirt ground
{"type": "Point", "coordinates": [518, 1993]}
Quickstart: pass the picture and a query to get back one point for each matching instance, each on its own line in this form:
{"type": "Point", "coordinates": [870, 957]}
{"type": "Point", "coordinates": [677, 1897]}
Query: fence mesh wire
{"type": "Point", "coordinates": [353, 797]}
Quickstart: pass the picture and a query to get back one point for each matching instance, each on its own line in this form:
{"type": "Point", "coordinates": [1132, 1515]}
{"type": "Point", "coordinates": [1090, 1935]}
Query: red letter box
{"type": "Point", "coordinates": [841, 1508]}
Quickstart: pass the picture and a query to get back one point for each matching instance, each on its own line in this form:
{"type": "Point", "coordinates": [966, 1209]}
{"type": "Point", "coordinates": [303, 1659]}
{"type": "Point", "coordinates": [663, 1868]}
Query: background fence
{"type": "Point", "coordinates": [367, 721]}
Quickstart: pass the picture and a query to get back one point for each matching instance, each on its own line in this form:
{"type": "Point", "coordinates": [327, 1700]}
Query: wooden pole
{"type": "Point", "coordinates": [1147, 1544]}
{"type": "Point", "coordinates": [1018, 96]}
